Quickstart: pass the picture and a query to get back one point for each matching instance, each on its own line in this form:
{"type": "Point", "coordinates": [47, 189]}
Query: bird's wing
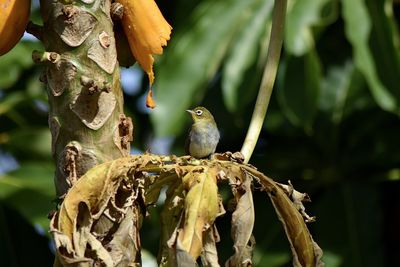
{"type": "Point", "coordinates": [187, 142]}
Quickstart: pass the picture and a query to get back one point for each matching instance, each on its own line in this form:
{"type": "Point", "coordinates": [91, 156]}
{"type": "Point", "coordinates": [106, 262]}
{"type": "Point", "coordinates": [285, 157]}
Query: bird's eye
{"type": "Point", "coordinates": [199, 112]}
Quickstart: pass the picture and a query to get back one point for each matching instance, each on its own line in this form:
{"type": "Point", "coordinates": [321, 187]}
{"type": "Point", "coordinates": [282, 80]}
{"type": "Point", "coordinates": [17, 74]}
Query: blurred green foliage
{"type": "Point", "coordinates": [332, 127]}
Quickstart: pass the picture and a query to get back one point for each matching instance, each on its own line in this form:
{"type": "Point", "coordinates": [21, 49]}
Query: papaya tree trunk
{"type": "Point", "coordinates": [86, 117]}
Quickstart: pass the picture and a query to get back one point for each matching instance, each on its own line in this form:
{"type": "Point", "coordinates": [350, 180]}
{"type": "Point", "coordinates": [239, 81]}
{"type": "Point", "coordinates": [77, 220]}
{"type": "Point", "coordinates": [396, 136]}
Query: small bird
{"type": "Point", "coordinates": [204, 135]}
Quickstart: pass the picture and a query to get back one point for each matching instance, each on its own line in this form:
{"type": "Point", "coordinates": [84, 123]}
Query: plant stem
{"type": "Point", "coordinates": [268, 79]}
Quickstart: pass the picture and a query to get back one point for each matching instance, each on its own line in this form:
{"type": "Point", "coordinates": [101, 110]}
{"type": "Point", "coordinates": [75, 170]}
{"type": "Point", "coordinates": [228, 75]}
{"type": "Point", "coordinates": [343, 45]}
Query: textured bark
{"type": "Point", "coordinates": [86, 103]}
{"type": "Point", "coordinates": [86, 116]}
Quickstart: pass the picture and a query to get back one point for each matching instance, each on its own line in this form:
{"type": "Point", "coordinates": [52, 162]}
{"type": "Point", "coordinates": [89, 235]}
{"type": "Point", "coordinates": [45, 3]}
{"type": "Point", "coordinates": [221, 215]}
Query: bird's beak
{"type": "Point", "coordinates": [190, 111]}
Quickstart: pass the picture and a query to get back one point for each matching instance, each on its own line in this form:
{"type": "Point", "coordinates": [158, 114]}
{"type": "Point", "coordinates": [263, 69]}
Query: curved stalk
{"type": "Point", "coordinates": [267, 83]}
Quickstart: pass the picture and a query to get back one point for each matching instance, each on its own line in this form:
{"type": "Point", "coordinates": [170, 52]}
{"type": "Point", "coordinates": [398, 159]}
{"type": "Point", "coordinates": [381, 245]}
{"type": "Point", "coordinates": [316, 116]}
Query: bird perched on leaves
{"type": "Point", "coordinates": [204, 135]}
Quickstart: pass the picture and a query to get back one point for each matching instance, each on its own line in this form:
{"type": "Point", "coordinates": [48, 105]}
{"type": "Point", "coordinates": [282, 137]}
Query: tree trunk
{"type": "Point", "coordinates": [86, 117]}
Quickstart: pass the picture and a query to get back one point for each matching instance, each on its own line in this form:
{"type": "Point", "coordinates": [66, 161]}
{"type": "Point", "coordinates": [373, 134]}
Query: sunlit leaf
{"type": "Point", "coordinates": [201, 208]}
{"type": "Point", "coordinates": [301, 17]}
{"type": "Point", "coordinates": [358, 26]}
{"type": "Point", "coordinates": [243, 55]}
{"type": "Point", "coordinates": [192, 59]}
{"type": "Point", "coordinates": [384, 42]}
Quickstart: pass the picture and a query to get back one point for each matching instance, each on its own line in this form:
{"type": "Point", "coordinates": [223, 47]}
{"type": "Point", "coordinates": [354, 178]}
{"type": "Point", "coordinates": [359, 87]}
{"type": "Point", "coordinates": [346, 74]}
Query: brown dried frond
{"type": "Point", "coordinates": [191, 207]}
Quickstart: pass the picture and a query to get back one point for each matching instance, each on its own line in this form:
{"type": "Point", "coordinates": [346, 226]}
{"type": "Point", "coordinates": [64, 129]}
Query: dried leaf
{"type": "Point", "coordinates": [147, 31]}
{"type": "Point", "coordinates": [305, 251]}
{"type": "Point", "coordinates": [94, 191]}
{"type": "Point", "coordinates": [296, 230]}
{"type": "Point", "coordinates": [78, 228]}
{"type": "Point", "coordinates": [115, 190]}
{"type": "Point", "coordinates": [209, 255]}
{"type": "Point", "coordinates": [242, 224]}
{"type": "Point", "coordinates": [318, 255]}
{"type": "Point", "coordinates": [183, 258]}
{"type": "Point", "coordinates": [154, 189]}
{"type": "Point", "coordinates": [301, 243]}
{"type": "Point", "coordinates": [121, 250]}
{"type": "Point", "coordinates": [298, 199]}
{"type": "Point", "coordinates": [170, 220]}
{"type": "Point", "coordinates": [201, 209]}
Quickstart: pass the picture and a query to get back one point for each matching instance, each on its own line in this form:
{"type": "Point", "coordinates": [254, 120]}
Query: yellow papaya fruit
{"type": "Point", "coordinates": [14, 16]}
{"type": "Point", "coordinates": [146, 30]}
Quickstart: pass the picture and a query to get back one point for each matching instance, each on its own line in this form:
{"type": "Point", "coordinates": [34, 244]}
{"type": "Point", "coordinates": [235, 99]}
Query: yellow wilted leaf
{"type": "Point", "coordinates": [201, 209]}
{"type": "Point", "coordinates": [147, 31]}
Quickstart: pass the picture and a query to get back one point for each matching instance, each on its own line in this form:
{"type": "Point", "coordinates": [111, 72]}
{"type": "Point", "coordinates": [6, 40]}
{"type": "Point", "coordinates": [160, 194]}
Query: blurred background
{"type": "Point", "coordinates": [332, 126]}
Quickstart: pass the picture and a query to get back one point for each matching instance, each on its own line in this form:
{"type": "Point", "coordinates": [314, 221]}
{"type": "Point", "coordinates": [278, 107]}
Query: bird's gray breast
{"type": "Point", "coordinates": [203, 139]}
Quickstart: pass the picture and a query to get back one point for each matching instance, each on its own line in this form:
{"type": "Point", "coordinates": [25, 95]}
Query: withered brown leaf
{"type": "Point", "coordinates": [123, 188]}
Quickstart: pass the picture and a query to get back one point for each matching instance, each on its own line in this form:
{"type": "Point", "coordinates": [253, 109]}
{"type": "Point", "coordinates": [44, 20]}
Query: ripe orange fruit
{"type": "Point", "coordinates": [14, 16]}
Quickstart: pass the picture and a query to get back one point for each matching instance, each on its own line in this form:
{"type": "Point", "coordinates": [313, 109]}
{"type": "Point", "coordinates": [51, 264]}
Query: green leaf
{"type": "Point", "coordinates": [299, 87]}
{"type": "Point", "coordinates": [332, 259]}
{"type": "Point", "coordinates": [11, 100]}
{"type": "Point", "coordinates": [271, 258]}
{"type": "Point", "coordinates": [14, 62]}
{"type": "Point", "coordinates": [334, 87]}
{"type": "Point", "coordinates": [30, 190]}
{"type": "Point", "coordinates": [29, 142]}
{"type": "Point", "coordinates": [301, 17]}
{"type": "Point", "coordinates": [384, 44]}
{"type": "Point", "coordinates": [341, 91]}
{"type": "Point", "coordinates": [192, 59]}
{"type": "Point", "coordinates": [358, 30]}
{"type": "Point", "coordinates": [243, 55]}
{"type": "Point", "coordinates": [27, 90]}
